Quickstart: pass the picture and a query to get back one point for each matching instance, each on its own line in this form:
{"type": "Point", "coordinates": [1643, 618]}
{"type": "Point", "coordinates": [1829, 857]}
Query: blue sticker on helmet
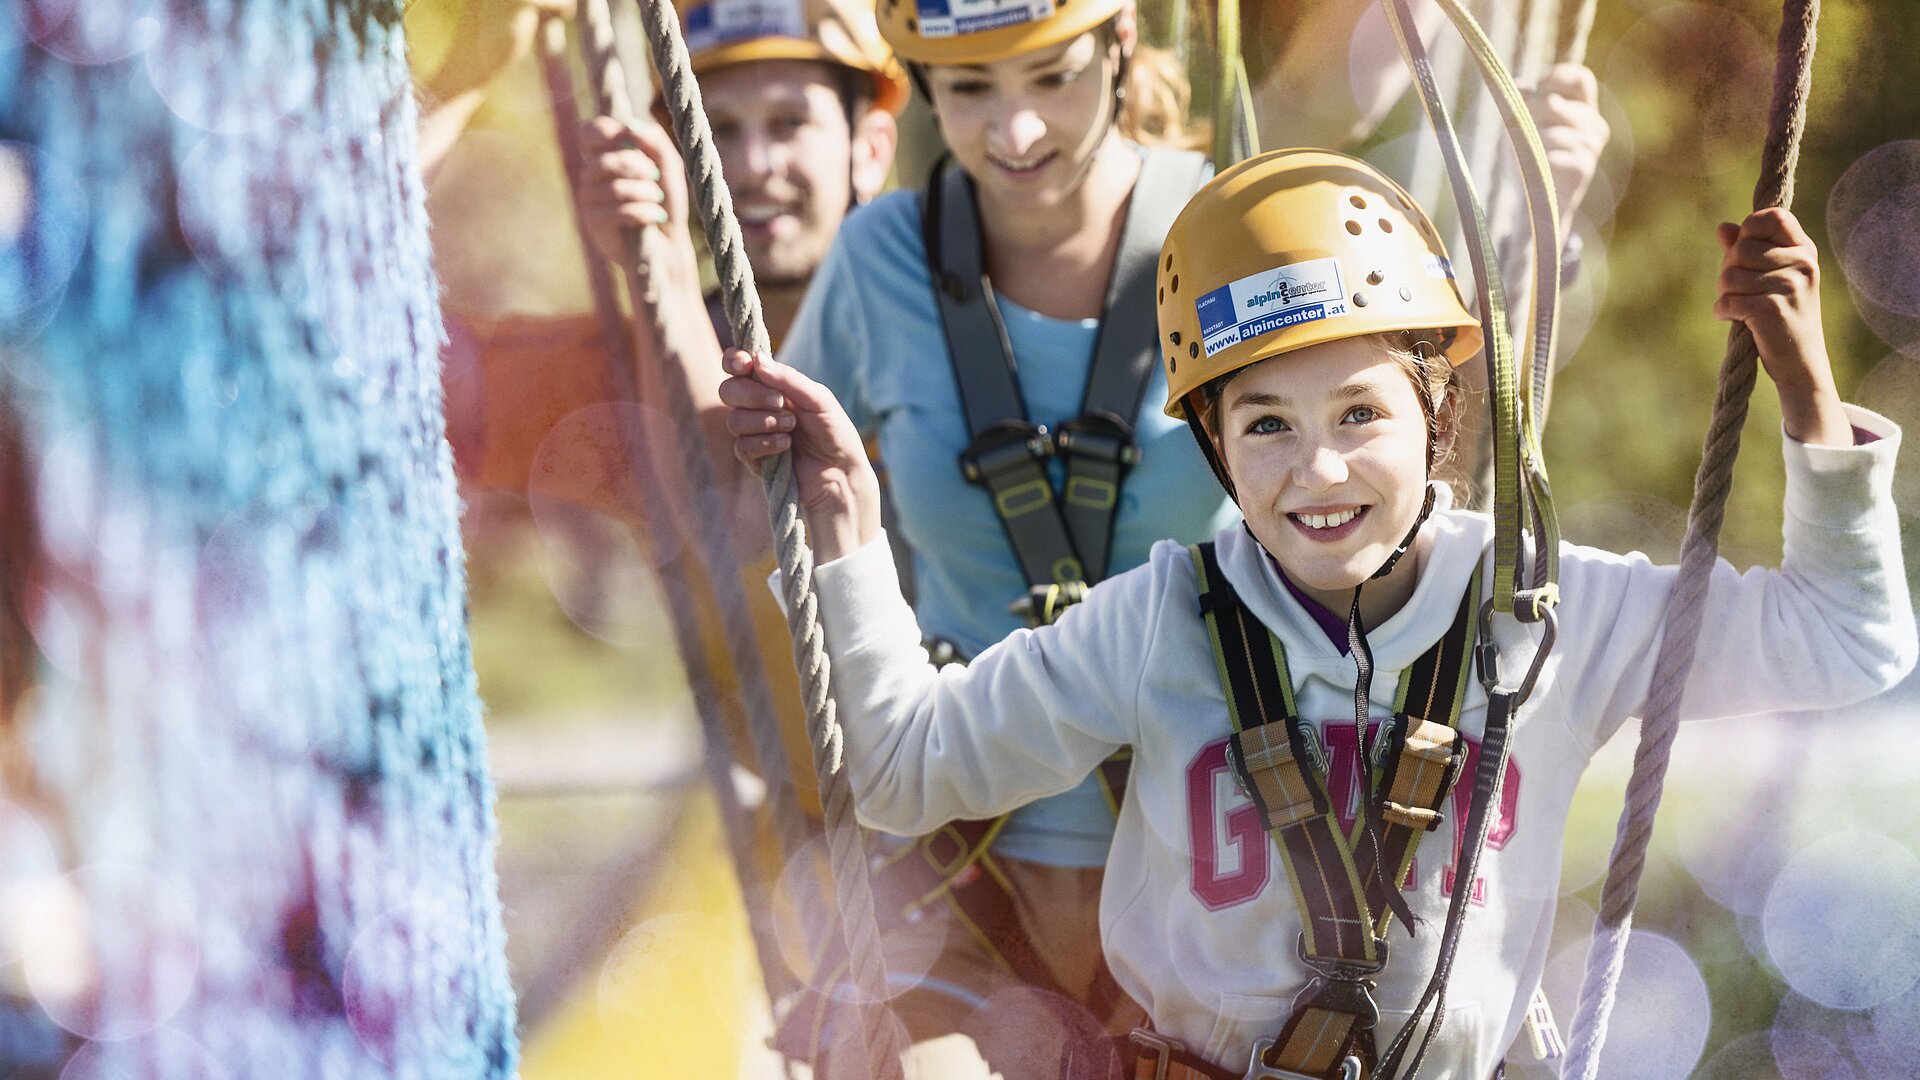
{"type": "Point", "coordinates": [948, 18]}
{"type": "Point", "coordinates": [724, 22]}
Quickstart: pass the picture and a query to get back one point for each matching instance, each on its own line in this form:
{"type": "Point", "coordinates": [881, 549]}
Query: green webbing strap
{"type": "Point", "coordinates": [1235, 134]}
{"type": "Point", "coordinates": [1521, 494]}
{"type": "Point", "coordinates": [1544, 210]}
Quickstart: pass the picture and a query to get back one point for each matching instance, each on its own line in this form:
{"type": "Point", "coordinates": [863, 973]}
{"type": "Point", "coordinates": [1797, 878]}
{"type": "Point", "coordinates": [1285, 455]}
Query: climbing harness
{"type": "Point", "coordinates": [1793, 77]}
{"type": "Point", "coordinates": [1280, 764]}
{"type": "Point", "coordinates": [883, 1038]}
{"type": "Point", "coordinates": [1062, 539]}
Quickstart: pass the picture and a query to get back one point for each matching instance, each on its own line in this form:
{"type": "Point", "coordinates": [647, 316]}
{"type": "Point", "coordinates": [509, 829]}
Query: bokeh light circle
{"type": "Point", "coordinates": [807, 930]}
{"type": "Point", "coordinates": [1661, 1016]}
{"type": "Point", "coordinates": [1689, 55]}
{"type": "Point", "coordinates": [699, 960]}
{"type": "Point", "coordinates": [44, 218]}
{"type": "Point", "coordinates": [135, 1059]}
{"type": "Point", "coordinates": [1892, 389]}
{"type": "Point", "coordinates": [28, 865]}
{"type": "Point", "coordinates": [226, 80]}
{"type": "Point", "coordinates": [121, 911]}
{"type": "Point", "coordinates": [1873, 217]}
{"type": "Point", "coordinates": [1842, 922]}
{"type": "Point", "coordinates": [405, 978]}
{"type": "Point", "coordinates": [93, 31]}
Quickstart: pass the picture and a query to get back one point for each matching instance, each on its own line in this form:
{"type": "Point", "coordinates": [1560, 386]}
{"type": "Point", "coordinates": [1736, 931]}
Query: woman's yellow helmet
{"type": "Point", "coordinates": [981, 31]}
{"type": "Point", "coordinates": [1293, 248]}
{"type": "Point", "coordinates": [724, 32]}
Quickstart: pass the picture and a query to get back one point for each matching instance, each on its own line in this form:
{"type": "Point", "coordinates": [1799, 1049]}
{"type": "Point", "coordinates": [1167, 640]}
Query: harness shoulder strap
{"type": "Point", "coordinates": [1099, 445]}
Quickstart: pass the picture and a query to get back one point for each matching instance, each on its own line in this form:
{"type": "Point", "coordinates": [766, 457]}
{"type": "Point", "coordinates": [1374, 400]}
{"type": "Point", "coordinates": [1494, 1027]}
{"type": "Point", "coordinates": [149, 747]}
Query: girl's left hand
{"type": "Point", "coordinates": [1770, 280]}
{"type": "Point", "coordinates": [772, 409]}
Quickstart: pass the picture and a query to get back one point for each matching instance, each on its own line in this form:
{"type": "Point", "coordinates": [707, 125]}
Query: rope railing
{"type": "Point", "coordinates": [883, 1037]}
{"type": "Point", "coordinates": [1793, 75]}
{"type": "Point", "coordinates": [681, 604]}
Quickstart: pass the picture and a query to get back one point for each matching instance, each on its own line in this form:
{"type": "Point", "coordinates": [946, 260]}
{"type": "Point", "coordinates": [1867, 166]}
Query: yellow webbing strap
{"type": "Point", "coordinates": [1522, 497]}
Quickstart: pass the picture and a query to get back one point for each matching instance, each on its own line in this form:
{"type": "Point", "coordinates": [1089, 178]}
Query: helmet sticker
{"type": "Point", "coordinates": [1270, 300]}
{"type": "Point", "coordinates": [723, 22]}
{"type": "Point", "coordinates": [948, 18]}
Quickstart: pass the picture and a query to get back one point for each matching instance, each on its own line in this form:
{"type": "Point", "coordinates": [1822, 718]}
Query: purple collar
{"type": "Point", "coordinates": [1334, 626]}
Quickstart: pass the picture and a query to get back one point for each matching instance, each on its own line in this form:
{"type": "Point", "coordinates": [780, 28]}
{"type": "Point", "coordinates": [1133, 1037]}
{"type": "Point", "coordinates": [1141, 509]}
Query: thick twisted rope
{"type": "Point", "coordinates": [682, 606]}
{"type": "Point", "coordinates": [884, 1037]}
{"type": "Point", "coordinates": [1793, 74]}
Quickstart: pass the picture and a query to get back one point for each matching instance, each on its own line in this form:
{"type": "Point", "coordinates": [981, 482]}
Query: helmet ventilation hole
{"type": "Point", "coordinates": [1163, 294]}
{"type": "Point", "coordinates": [1375, 277]}
{"type": "Point", "coordinates": [1385, 225]}
{"type": "Point", "coordinates": [1173, 362]}
{"type": "Point", "coordinates": [913, 25]}
{"type": "Point", "coordinates": [1174, 285]}
{"type": "Point", "coordinates": [1169, 260]}
{"type": "Point", "coordinates": [1175, 338]}
{"type": "Point", "coordinates": [1193, 349]}
{"type": "Point", "coordinates": [1353, 227]}
{"type": "Point", "coordinates": [1359, 299]}
{"type": "Point", "coordinates": [1406, 293]}
{"type": "Point", "coordinates": [1357, 201]}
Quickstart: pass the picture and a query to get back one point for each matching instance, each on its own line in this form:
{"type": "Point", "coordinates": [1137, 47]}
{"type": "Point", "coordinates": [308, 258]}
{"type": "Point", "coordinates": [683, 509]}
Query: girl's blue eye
{"type": "Point", "coordinates": [1267, 425]}
{"type": "Point", "coordinates": [1362, 414]}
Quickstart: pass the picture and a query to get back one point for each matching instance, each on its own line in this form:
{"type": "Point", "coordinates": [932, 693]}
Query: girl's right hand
{"type": "Point", "coordinates": [773, 409]}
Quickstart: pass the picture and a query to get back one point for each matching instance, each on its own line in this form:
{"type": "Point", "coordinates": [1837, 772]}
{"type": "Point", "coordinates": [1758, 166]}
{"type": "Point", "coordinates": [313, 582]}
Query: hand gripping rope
{"type": "Point", "coordinates": [1792, 77]}
{"type": "Point", "coordinates": [884, 1037]}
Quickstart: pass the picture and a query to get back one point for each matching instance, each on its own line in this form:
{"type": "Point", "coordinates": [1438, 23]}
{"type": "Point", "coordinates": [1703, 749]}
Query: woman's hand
{"type": "Point", "coordinates": [771, 409]}
{"type": "Point", "coordinates": [1770, 280]}
{"type": "Point", "coordinates": [1566, 110]}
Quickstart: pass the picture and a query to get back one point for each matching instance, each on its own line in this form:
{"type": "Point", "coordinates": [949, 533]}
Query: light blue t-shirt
{"type": "Point", "coordinates": [870, 330]}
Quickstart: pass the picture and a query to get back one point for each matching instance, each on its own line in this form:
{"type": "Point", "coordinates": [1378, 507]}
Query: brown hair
{"type": "Point", "coordinates": [1155, 109]}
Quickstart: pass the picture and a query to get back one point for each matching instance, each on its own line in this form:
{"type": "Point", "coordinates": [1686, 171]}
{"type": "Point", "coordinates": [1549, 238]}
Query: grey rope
{"type": "Point", "coordinates": [682, 606]}
{"type": "Point", "coordinates": [884, 1037]}
{"type": "Point", "coordinates": [1793, 74]}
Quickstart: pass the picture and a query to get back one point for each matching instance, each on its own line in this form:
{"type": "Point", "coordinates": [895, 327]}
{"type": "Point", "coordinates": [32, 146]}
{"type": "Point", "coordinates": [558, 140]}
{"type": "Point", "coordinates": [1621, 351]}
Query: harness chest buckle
{"type": "Point", "coordinates": [1258, 1069]}
{"type": "Point", "coordinates": [1341, 985]}
{"type": "Point", "coordinates": [1007, 444]}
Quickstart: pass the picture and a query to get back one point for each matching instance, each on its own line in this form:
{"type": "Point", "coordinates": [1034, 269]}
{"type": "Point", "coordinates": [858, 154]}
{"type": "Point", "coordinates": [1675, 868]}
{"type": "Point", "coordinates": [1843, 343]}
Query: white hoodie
{"type": "Point", "coordinates": [1196, 915]}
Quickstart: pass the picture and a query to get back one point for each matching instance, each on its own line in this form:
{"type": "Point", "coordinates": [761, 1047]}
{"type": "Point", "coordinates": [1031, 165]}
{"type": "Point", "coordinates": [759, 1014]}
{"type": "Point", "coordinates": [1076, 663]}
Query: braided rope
{"type": "Point", "coordinates": [884, 1037]}
{"type": "Point", "coordinates": [1793, 74]}
{"type": "Point", "coordinates": [682, 606]}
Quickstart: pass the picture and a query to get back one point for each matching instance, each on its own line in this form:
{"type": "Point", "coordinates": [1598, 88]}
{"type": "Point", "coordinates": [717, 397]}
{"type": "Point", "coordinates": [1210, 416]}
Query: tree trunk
{"type": "Point", "coordinates": [255, 752]}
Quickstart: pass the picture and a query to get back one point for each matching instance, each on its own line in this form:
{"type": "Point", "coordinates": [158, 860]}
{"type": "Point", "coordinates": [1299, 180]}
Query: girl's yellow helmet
{"type": "Point", "coordinates": [720, 33]}
{"type": "Point", "coordinates": [981, 31]}
{"type": "Point", "coordinates": [1293, 248]}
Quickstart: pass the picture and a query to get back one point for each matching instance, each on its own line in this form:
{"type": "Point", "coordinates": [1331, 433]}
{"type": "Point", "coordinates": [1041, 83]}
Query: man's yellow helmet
{"type": "Point", "coordinates": [981, 31]}
{"type": "Point", "coordinates": [720, 33]}
{"type": "Point", "coordinates": [1293, 248]}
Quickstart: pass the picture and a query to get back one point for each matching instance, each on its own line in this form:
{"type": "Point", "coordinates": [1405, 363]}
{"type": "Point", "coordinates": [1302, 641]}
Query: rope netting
{"type": "Point", "coordinates": [1793, 73]}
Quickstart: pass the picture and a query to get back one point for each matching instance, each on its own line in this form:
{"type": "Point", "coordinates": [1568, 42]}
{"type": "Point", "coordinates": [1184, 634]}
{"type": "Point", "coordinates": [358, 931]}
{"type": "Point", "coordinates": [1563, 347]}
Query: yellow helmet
{"type": "Point", "coordinates": [724, 32]}
{"type": "Point", "coordinates": [1293, 248]}
{"type": "Point", "coordinates": [980, 31]}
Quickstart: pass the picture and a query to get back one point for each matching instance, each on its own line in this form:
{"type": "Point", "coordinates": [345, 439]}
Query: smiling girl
{"type": "Point", "coordinates": [1309, 331]}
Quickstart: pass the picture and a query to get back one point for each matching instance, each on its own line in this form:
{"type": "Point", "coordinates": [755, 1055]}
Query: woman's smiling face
{"type": "Point", "coordinates": [1328, 450]}
{"type": "Point", "coordinates": [1026, 126]}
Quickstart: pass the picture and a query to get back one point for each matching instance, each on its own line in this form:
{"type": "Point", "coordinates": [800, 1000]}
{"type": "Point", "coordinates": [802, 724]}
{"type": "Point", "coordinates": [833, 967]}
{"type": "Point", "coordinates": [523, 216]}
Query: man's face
{"type": "Point", "coordinates": [786, 149]}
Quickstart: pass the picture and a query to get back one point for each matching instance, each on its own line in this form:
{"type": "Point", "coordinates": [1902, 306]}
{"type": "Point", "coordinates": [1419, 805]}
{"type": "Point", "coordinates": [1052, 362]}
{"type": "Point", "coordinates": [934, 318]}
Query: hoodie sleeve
{"type": "Point", "coordinates": [1832, 626]}
{"type": "Point", "coordinates": [1029, 717]}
